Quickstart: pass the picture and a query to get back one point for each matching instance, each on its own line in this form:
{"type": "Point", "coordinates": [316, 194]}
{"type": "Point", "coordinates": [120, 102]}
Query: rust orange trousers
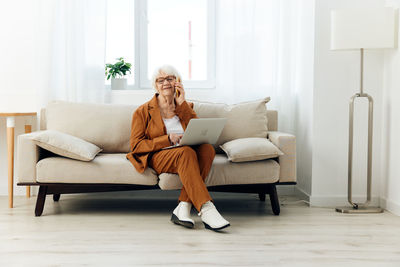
{"type": "Point", "coordinates": [192, 164]}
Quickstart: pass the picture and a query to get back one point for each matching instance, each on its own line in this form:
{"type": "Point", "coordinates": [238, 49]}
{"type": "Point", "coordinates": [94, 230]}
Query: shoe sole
{"type": "Point", "coordinates": [176, 220]}
{"type": "Point", "coordinates": [215, 229]}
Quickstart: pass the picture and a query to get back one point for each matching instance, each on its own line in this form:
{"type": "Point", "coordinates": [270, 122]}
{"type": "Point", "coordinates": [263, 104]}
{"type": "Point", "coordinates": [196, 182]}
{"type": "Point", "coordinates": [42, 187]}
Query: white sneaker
{"type": "Point", "coordinates": [211, 218]}
{"type": "Point", "coordinates": [181, 214]}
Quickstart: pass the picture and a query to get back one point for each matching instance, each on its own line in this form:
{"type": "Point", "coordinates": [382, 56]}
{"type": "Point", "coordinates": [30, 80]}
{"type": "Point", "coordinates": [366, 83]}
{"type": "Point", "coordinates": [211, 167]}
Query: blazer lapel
{"type": "Point", "coordinates": [156, 119]}
{"type": "Point", "coordinates": [156, 122]}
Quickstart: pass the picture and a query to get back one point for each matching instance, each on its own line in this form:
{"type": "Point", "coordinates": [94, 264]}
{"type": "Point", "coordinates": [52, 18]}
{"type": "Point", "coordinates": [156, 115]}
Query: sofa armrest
{"type": "Point", "coordinates": [287, 144]}
{"type": "Point", "coordinates": [28, 154]}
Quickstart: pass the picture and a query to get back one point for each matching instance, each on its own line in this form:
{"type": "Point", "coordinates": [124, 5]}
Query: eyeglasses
{"type": "Point", "coordinates": [169, 79]}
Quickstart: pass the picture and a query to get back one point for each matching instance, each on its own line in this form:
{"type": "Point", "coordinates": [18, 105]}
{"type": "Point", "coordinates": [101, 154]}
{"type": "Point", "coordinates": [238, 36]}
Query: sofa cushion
{"type": "Point", "coordinates": [250, 149]}
{"type": "Point", "coordinates": [66, 145]}
{"type": "Point", "coordinates": [247, 119]}
{"type": "Point", "coordinates": [225, 172]}
{"type": "Point", "coordinates": [106, 125]}
{"type": "Point", "coordinates": [105, 168]}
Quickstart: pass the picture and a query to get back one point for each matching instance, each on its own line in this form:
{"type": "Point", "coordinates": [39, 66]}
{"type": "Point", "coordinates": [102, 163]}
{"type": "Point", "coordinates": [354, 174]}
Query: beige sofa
{"type": "Point", "coordinates": [108, 127]}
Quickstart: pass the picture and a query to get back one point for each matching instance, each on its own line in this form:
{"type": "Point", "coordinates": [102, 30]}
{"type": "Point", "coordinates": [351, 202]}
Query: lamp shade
{"type": "Point", "coordinates": [369, 28]}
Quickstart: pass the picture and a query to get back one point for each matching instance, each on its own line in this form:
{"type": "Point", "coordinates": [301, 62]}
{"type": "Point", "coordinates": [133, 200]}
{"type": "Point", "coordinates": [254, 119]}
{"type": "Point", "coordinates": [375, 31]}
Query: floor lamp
{"type": "Point", "coordinates": [359, 29]}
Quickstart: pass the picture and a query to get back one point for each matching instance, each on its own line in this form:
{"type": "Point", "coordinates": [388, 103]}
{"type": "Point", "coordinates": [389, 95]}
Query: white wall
{"type": "Point", "coordinates": [336, 79]}
{"type": "Point", "coordinates": [390, 183]}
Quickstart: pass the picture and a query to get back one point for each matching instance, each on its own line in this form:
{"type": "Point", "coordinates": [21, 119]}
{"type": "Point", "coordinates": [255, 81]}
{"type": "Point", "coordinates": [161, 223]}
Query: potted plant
{"type": "Point", "coordinates": [117, 73]}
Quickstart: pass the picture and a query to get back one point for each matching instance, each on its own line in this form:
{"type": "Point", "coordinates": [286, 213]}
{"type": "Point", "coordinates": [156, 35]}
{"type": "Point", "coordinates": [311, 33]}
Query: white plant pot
{"type": "Point", "coordinates": [119, 84]}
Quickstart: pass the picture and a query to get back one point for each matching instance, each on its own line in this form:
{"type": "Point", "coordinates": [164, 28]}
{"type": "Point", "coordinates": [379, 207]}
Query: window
{"type": "Point", "coordinates": [156, 32]}
{"type": "Point", "coordinates": [120, 37]}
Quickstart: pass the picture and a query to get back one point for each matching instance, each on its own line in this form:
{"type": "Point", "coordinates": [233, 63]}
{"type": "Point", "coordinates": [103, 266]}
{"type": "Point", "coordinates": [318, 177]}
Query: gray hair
{"type": "Point", "coordinates": [167, 69]}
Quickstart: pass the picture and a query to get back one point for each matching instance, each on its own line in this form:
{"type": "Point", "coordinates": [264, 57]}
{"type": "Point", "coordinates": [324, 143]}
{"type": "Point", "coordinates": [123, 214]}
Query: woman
{"type": "Point", "coordinates": [160, 123]}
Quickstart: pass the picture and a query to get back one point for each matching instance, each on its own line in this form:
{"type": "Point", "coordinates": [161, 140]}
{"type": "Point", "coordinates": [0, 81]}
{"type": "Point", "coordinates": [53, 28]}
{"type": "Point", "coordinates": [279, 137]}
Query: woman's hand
{"type": "Point", "coordinates": [174, 138]}
{"type": "Point", "coordinates": [181, 98]}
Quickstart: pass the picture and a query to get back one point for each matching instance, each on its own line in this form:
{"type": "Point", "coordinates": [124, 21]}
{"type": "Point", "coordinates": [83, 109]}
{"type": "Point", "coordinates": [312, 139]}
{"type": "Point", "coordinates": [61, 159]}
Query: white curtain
{"type": "Point", "coordinates": [73, 35]}
{"type": "Point", "coordinates": [260, 52]}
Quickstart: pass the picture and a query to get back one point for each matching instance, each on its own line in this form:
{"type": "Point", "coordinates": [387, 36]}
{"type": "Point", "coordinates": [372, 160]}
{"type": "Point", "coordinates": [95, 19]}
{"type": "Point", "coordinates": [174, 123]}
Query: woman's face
{"type": "Point", "coordinates": [165, 84]}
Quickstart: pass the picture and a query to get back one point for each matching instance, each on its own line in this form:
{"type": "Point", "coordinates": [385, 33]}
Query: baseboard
{"type": "Point", "coordinates": [390, 206]}
{"type": "Point", "coordinates": [300, 193]}
{"type": "Point", "coordinates": [335, 201]}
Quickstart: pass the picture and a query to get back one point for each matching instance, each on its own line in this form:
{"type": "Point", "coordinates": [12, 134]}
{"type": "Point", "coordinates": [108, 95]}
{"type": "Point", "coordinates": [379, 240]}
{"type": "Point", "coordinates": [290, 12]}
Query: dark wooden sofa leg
{"type": "Point", "coordinates": [56, 197]}
{"type": "Point", "coordinates": [261, 196]}
{"type": "Point", "coordinates": [273, 196]}
{"type": "Point", "coordinates": [41, 198]}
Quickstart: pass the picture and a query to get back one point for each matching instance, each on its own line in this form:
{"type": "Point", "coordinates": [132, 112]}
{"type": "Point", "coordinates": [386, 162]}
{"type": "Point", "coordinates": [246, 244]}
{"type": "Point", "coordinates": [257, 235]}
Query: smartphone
{"type": "Point", "coordinates": [176, 90]}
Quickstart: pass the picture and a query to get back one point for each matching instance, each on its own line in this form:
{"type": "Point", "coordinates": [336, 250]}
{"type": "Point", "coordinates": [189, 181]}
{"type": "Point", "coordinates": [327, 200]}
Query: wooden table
{"type": "Point", "coordinates": [10, 145]}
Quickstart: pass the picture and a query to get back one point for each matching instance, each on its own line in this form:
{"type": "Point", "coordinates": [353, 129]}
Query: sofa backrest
{"type": "Point", "coordinates": [272, 116]}
{"type": "Point", "coordinates": [105, 125]}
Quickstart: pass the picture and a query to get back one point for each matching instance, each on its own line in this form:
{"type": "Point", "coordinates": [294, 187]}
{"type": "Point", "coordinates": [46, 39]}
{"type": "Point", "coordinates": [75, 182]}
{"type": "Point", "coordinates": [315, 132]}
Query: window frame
{"type": "Point", "coordinates": [140, 56]}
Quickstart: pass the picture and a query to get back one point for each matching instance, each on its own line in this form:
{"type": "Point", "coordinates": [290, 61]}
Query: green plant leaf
{"type": "Point", "coordinates": [119, 69]}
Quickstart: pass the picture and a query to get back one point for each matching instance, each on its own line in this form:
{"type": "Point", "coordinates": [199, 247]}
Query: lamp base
{"type": "Point", "coordinates": [359, 210]}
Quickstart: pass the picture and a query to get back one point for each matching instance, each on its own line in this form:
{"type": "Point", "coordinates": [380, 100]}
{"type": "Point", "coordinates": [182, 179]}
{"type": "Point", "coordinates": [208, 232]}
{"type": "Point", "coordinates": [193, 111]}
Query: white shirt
{"type": "Point", "coordinates": [173, 125]}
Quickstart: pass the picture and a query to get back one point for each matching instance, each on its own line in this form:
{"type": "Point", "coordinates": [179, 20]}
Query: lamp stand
{"type": "Point", "coordinates": [360, 207]}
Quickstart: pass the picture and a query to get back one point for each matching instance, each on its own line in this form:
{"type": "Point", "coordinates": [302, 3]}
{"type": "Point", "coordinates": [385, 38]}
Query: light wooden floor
{"type": "Point", "coordinates": [133, 229]}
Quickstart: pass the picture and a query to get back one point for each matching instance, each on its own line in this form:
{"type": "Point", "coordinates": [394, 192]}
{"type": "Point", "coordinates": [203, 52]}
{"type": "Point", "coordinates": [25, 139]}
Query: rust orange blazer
{"type": "Point", "coordinates": [148, 132]}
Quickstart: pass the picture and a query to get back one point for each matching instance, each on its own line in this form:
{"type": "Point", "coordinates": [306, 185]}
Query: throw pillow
{"type": "Point", "coordinates": [247, 119]}
{"type": "Point", "coordinates": [250, 149]}
{"type": "Point", "coordinates": [66, 145]}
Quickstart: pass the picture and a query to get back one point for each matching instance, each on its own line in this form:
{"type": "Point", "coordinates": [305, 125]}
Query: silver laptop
{"type": "Point", "coordinates": [201, 131]}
